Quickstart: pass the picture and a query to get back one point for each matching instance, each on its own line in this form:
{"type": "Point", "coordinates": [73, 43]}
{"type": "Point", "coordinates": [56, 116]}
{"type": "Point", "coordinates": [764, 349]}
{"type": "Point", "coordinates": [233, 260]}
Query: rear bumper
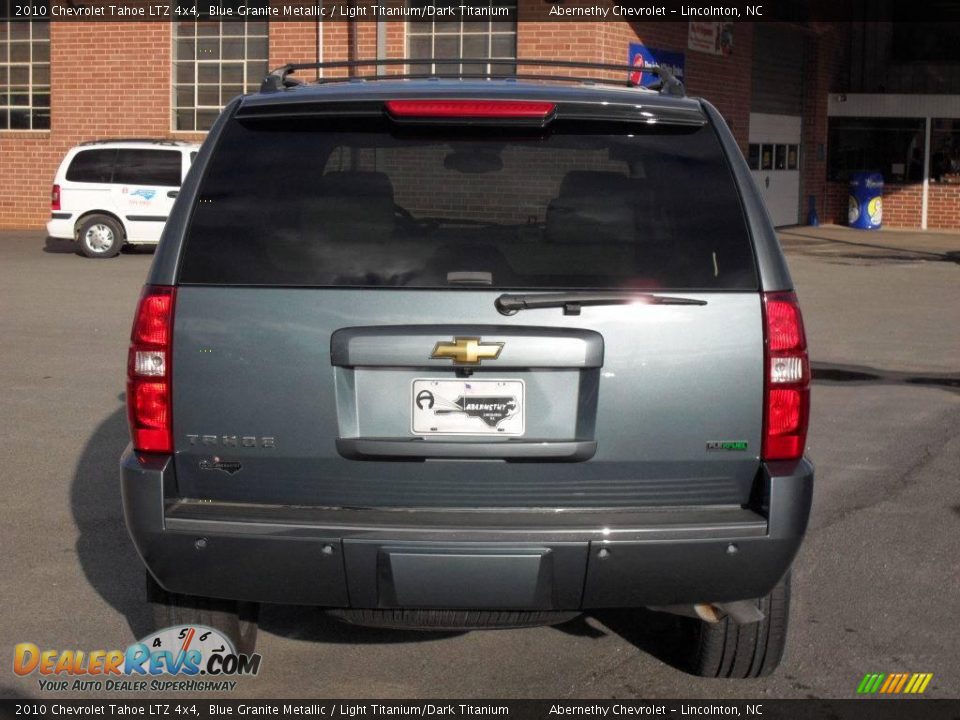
{"type": "Point", "coordinates": [543, 560]}
{"type": "Point", "coordinates": [60, 225]}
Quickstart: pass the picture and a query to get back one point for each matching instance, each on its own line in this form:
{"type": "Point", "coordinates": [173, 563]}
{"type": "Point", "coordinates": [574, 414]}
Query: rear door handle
{"type": "Point", "coordinates": [174, 193]}
{"type": "Point", "coordinates": [767, 181]}
{"type": "Point", "coordinates": [358, 448]}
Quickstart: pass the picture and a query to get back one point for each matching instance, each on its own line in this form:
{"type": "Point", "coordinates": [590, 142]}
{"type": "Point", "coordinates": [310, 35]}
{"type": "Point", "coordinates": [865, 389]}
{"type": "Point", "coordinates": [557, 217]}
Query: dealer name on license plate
{"type": "Point", "coordinates": [467, 407]}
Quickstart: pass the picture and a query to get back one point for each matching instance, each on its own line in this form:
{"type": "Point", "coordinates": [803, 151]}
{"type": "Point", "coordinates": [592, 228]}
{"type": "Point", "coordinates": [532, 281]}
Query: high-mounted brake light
{"type": "Point", "coordinates": [55, 198]}
{"type": "Point", "coordinates": [148, 371]}
{"type": "Point", "coordinates": [470, 109]}
{"type": "Point", "coordinates": [786, 385]}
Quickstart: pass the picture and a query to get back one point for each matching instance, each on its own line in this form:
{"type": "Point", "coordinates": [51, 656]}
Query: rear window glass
{"type": "Point", "coordinates": [314, 204]}
{"type": "Point", "coordinates": [148, 167]}
{"type": "Point", "coordinates": [92, 166]}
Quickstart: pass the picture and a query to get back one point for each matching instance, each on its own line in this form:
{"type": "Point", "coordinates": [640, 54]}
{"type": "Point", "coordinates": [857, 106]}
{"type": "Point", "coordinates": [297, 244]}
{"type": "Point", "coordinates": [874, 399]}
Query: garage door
{"type": "Point", "coordinates": [774, 159]}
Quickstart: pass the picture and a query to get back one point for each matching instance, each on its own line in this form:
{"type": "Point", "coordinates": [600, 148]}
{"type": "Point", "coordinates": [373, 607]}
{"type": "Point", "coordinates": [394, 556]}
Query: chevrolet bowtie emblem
{"type": "Point", "coordinates": [466, 351]}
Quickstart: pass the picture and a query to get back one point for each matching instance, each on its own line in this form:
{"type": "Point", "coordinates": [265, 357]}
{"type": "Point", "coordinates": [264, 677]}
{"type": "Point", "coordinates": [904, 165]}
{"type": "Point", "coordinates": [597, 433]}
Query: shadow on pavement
{"type": "Point", "coordinates": [861, 375]}
{"type": "Point", "coordinates": [314, 625]}
{"type": "Point", "coordinates": [59, 245]}
{"type": "Point", "coordinates": [811, 243]}
{"type": "Point", "coordinates": [105, 551]}
{"type": "Point", "coordinates": [579, 627]}
{"type": "Point", "coordinates": [138, 249]}
{"type": "Point", "coordinates": [661, 635]}
{"type": "Point", "coordinates": [657, 634]}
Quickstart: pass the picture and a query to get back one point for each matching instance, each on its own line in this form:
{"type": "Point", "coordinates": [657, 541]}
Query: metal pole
{"type": "Point", "coordinates": [925, 198]}
{"type": "Point", "coordinates": [381, 44]}
{"type": "Point", "coordinates": [320, 40]}
{"type": "Point", "coordinates": [353, 50]}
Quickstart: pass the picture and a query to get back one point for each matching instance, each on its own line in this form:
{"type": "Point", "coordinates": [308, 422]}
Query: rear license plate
{"type": "Point", "coordinates": [467, 407]}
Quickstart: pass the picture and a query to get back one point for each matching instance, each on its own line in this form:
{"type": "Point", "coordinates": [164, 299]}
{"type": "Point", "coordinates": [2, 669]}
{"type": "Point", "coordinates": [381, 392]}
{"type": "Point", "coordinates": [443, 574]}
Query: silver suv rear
{"type": "Point", "coordinates": [453, 353]}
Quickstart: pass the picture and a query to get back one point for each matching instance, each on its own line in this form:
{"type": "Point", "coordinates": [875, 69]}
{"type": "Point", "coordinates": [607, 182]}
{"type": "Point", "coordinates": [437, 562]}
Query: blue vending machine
{"type": "Point", "coordinates": [866, 200]}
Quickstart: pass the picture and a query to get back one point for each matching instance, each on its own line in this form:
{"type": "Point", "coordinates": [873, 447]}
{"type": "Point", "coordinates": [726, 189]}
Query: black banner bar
{"type": "Point", "coordinates": [177, 707]}
{"type": "Point", "coordinates": [797, 11]}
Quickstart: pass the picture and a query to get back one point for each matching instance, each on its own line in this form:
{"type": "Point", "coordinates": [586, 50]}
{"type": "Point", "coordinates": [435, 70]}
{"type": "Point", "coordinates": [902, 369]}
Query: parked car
{"type": "Point", "coordinates": [107, 193]}
{"type": "Point", "coordinates": [460, 353]}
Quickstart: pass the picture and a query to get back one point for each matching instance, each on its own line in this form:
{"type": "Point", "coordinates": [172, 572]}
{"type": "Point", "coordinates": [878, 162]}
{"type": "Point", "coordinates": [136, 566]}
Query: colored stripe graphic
{"type": "Point", "coordinates": [903, 680]}
{"type": "Point", "coordinates": [894, 683]}
{"type": "Point", "coordinates": [870, 683]}
{"type": "Point", "coordinates": [922, 680]}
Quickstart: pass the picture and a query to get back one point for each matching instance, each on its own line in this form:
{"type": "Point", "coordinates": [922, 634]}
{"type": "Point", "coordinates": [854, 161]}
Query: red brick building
{"type": "Point", "coordinates": [779, 85]}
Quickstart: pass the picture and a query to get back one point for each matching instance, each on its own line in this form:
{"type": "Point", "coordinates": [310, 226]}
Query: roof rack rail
{"type": "Point", "coordinates": [152, 141]}
{"type": "Point", "coordinates": [280, 78]}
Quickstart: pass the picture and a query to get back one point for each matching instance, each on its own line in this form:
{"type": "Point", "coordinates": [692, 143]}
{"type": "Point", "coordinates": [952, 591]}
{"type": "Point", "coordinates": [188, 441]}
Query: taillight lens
{"type": "Point", "coordinates": [469, 109]}
{"type": "Point", "coordinates": [148, 371]}
{"type": "Point", "coordinates": [786, 384]}
{"type": "Point", "coordinates": [55, 198]}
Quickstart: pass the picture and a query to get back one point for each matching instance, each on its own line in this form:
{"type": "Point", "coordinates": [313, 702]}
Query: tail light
{"type": "Point", "coordinates": [55, 198]}
{"type": "Point", "coordinates": [470, 109]}
{"type": "Point", "coordinates": [786, 387]}
{"type": "Point", "coordinates": [148, 371]}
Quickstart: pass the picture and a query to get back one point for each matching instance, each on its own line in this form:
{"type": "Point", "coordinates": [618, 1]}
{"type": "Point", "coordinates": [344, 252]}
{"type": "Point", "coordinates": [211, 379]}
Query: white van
{"type": "Point", "coordinates": [110, 192]}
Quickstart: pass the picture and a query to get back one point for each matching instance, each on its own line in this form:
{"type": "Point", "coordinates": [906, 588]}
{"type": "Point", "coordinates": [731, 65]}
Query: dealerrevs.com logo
{"type": "Point", "coordinates": [187, 658]}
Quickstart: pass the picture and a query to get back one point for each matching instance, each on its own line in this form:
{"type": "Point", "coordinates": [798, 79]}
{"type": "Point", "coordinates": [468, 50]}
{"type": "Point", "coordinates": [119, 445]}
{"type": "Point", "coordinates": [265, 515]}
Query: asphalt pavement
{"type": "Point", "coordinates": [876, 584]}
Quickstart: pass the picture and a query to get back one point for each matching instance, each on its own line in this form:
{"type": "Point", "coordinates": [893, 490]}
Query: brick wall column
{"type": "Point", "coordinates": [822, 61]}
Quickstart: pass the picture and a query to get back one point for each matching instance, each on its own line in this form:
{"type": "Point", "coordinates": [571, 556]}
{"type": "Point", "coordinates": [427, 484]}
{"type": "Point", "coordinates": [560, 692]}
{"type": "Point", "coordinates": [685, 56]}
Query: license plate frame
{"type": "Point", "coordinates": [446, 408]}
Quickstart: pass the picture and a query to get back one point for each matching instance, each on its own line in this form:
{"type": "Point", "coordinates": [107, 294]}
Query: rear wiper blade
{"type": "Point", "coordinates": [571, 302]}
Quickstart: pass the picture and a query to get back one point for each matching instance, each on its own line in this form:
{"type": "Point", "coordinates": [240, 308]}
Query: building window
{"type": "Point", "coordinates": [213, 63]}
{"type": "Point", "coordinates": [945, 151]}
{"type": "Point", "coordinates": [493, 39]}
{"type": "Point", "coordinates": [24, 75]}
{"type": "Point", "coordinates": [891, 146]}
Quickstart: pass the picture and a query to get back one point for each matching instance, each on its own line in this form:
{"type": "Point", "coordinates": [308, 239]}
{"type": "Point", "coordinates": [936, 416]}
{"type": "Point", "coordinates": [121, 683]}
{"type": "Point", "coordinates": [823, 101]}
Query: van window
{"type": "Point", "coordinates": [92, 166]}
{"type": "Point", "coordinates": [148, 167]}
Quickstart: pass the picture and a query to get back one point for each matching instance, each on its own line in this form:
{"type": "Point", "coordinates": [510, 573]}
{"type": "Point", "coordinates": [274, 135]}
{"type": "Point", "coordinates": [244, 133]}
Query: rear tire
{"type": "Point", "coordinates": [728, 650]}
{"type": "Point", "coordinates": [236, 620]}
{"type": "Point", "coordinates": [100, 236]}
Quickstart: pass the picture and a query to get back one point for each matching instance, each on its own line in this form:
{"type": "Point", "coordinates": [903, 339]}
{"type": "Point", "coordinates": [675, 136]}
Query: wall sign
{"type": "Point", "coordinates": [641, 55]}
{"type": "Point", "coordinates": [715, 38]}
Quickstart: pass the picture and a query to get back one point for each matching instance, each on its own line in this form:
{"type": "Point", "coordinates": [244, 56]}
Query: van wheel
{"type": "Point", "coordinates": [236, 620]}
{"type": "Point", "coordinates": [100, 237]}
{"type": "Point", "coordinates": [726, 649]}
